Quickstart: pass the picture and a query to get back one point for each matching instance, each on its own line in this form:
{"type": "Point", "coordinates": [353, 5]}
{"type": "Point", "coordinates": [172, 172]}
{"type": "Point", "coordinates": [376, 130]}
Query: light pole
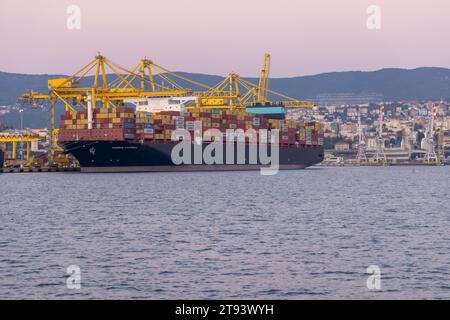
{"type": "Point", "coordinates": [21, 110]}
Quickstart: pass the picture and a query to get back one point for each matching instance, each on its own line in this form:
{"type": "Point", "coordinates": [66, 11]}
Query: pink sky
{"type": "Point", "coordinates": [217, 37]}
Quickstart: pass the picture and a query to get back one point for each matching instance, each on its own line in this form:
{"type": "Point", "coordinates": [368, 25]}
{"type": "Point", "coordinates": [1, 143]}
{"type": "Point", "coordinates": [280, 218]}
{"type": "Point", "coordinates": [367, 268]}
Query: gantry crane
{"type": "Point", "coordinates": [430, 146]}
{"type": "Point", "coordinates": [236, 92]}
{"type": "Point", "coordinates": [14, 139]}
{"type": "Point", "coordinates": [361, 156]}
{"type": "Point", "coordinates": [239, 93]}
{"type": "Point", "coordinates": [76, 92]}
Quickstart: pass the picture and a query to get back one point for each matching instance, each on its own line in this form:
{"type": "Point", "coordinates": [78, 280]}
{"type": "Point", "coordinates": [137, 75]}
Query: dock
{"type": "Point", "coordinates": [39, 169]}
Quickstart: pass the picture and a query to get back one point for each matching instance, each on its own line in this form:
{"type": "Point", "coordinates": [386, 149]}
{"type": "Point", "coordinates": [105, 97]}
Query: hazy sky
{"type": "Point", "coordinates": [209, 36]}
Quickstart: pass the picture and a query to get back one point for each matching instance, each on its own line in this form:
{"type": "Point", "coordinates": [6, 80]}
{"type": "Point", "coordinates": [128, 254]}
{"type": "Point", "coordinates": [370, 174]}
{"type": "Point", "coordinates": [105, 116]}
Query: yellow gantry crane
{"type": "Point", "coordinates": [111, 84]}
{"type": "Point", "coordinates": [236, 92]}
{"type": "Point", "coordinates": [103, 92]}
{"type": "Point", "coordinates": [239, 93]}
{"type": "Point", "coordinates": [19, 138]}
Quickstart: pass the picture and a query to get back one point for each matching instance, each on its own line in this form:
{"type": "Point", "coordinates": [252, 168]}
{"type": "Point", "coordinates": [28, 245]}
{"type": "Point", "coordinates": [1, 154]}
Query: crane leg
{"type": "Point", "coordinates": [28, 151]}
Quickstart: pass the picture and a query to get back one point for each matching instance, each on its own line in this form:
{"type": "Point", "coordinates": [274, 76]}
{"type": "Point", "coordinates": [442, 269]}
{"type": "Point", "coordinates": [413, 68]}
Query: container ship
{"type": "Point", "coordinates": [136, 139]}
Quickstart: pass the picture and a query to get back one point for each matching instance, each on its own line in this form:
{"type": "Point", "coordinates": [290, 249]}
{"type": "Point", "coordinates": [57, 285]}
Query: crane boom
{"type": "Point", "coordinates": [264, 80]}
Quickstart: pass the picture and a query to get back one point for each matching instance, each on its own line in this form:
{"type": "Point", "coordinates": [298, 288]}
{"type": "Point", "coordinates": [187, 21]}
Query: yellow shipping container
{"type": "Point", "coordinates": [126, 115]}
{"type": "Point", "coordinates": [101, 116]}
{"type": "Point", "coordinates": [144, 120]}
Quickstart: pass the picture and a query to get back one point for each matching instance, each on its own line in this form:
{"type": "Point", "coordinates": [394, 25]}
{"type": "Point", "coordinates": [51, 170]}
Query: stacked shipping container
{"type": "Point", "coordinates": [118, 124]}
{"type": "Point", "coordinates": [115, 124]}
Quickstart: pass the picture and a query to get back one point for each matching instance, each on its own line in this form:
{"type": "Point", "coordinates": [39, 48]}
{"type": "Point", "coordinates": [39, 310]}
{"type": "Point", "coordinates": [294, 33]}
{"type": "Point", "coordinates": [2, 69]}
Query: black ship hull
{"type": "Point", "coordinates": [124, 156]}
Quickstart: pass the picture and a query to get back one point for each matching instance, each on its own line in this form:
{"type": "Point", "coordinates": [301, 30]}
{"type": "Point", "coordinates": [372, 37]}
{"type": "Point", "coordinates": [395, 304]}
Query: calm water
{"type": "Point", "coordinates": [299, 235]}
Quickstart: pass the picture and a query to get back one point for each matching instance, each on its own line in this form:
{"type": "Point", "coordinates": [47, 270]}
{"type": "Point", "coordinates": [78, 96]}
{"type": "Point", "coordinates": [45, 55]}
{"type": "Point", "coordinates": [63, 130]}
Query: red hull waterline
{"type": "Point", "coordinates": [184, 168]}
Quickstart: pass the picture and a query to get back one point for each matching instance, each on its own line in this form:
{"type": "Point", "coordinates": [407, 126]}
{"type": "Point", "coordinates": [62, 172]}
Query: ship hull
{"type": "Point", "coordinates": [125, 156]}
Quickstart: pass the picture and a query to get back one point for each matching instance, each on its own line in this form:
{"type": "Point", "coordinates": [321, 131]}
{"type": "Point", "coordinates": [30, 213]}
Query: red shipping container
{"type": "Point", "coordinates": [169, 127]}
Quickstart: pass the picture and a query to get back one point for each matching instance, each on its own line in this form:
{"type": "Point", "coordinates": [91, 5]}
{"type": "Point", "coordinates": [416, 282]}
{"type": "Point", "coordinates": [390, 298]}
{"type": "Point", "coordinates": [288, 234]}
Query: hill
{"type": "Point", "coordinates": [335, 87]}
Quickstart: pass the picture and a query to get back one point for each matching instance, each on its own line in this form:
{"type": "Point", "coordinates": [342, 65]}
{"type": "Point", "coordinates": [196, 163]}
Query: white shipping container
{"type": "Point", "coordinates": [190, 125]}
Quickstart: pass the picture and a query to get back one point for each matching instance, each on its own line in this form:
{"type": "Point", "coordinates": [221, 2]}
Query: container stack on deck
{"type": "Point", "coordinates": [118, 124]}
{"type": "Point", "coordinates": [114, 124]}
